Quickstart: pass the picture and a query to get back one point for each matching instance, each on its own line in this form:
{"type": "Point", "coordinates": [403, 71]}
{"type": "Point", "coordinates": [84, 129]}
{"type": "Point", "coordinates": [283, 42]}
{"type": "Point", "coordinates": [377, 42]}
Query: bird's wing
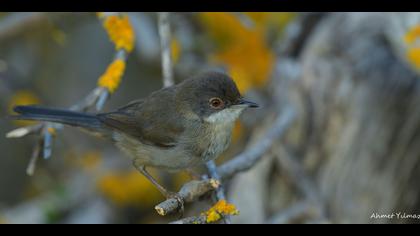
{"type": "Point", "coordinates": [151, 120]}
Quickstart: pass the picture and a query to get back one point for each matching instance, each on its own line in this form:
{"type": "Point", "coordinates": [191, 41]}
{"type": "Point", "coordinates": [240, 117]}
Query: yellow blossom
{"type": "Point", "coordinates": [120, 32]}
{"type": "Point", "coordinates": [129, 189]}
{"type": "Point", "coordinates": [112, 77]}
{"type": "Point", "coordinates": [221, 208]}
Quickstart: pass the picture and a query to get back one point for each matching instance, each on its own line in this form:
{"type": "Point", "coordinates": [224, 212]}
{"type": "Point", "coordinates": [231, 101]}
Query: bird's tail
{"type": "Point", "coordinates": [88, 121]}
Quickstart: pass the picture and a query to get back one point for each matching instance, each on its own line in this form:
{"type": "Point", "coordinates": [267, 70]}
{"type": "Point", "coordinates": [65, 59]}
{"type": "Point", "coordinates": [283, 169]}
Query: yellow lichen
{"type": "Point", "coordinates": [23, 97]}
{"type": "Point", "coordinates": [52, 131]}
{"type": "Point", "coordinates": [112, 77]}
{"type": "Point", "coordinates": [128, 189]}
{"type": "Point", "coordinates": [220, 209]}
{"type": "Point", "coordinates": [413, 55]}
{"type": "Point", "coordinates": [175, 50]}
{"type": "Point", "coordinates": [412, 35]}
{"type": "Point", "coordinates": [120, 32]}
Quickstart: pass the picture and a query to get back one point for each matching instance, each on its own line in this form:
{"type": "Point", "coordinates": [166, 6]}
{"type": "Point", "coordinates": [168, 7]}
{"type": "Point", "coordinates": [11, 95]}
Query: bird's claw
{"type": "Point", "coordinates": [180, 200]}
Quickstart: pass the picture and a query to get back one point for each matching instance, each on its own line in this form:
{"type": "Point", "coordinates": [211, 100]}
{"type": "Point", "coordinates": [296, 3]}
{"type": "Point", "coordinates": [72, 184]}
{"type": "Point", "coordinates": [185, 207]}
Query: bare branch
{"type": "Point", "coordinates": [23, 131]}
{"type": "Point", "coordinates": [249, 157]}
{"type": "Point", "coordinates": [165, 44]}
{"type": "Point", "coordinates": [190, 192]}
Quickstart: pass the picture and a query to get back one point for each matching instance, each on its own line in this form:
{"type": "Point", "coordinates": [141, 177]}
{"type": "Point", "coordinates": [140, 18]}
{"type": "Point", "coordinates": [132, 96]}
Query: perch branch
{"type": "Point", "coordinates": [242, 162]}
{"type": "Point", "coordinates": [165, 45]}
{"type": "Point", "coordinates": [190, 192]}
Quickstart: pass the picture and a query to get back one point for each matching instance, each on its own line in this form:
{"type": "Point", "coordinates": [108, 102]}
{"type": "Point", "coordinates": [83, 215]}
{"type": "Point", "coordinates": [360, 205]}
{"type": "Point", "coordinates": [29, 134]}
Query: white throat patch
{"type": "Point", "coordinates": [225, 116]}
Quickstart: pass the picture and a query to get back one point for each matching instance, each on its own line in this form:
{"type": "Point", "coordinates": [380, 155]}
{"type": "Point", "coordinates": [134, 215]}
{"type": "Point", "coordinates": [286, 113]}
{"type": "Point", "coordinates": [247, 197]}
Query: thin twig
{"type": "Point", "coordinates": [220, 191]}
{"type": "Point", "coordinates": [165, 44]}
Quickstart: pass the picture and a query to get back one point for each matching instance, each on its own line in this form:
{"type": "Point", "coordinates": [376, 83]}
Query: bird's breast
{"type": "Point", "coordinates": [217, 136]}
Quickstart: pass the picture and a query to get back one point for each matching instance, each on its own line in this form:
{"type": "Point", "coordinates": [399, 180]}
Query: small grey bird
{"type": "Point", "coordinates": [174, 128]}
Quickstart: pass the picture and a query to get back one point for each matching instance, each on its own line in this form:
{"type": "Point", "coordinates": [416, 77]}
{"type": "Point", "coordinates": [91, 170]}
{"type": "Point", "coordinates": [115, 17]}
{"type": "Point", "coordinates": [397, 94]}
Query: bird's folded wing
{"type": "Point", "coordinates": [150, 125]}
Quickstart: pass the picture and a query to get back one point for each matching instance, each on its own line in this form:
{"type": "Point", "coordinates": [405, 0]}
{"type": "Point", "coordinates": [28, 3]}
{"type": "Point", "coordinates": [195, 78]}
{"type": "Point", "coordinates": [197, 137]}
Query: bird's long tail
{"type": "Point", "coordinates": [88, 121]}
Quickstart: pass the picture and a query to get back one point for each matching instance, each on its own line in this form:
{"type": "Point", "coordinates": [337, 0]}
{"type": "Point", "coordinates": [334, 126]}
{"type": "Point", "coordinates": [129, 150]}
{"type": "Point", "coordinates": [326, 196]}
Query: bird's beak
{"type": "Point", "coordinates": [244, 102]}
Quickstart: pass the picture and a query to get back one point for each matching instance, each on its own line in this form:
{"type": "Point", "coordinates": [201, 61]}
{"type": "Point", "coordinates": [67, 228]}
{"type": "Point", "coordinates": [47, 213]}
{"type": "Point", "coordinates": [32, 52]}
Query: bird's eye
{"type": "Point", "coordinates": [216, 103]}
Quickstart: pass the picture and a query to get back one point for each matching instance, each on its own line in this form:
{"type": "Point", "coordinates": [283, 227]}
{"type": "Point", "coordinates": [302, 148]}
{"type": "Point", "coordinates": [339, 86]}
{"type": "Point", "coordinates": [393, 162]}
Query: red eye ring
{"type": "Point", "coordinates": [216, 103]}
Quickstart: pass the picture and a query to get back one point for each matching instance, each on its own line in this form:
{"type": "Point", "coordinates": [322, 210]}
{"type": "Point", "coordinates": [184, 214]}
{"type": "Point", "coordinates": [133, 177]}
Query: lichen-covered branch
{"type": "Point", "coordinates": [121, 34]}
{"type": "Point", "coordinates": [220, 191]}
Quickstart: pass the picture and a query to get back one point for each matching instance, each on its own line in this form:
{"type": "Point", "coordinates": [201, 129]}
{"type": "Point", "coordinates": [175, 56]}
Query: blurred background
{"type": "Point", "coordinates": [353, 149]}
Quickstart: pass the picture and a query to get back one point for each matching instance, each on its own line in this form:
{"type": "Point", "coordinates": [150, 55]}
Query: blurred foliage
{"type": "Point", "coordinates": [412, 39]}
{"type": "Point", "coordinates": [244, 49]}
{"type": "Point", "coordinates": [129, 189]}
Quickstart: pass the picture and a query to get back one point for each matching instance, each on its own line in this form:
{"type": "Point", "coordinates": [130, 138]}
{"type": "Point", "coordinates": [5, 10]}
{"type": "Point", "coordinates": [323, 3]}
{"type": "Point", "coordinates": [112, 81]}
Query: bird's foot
{"type": "Point", "coordinates": [181, 202]}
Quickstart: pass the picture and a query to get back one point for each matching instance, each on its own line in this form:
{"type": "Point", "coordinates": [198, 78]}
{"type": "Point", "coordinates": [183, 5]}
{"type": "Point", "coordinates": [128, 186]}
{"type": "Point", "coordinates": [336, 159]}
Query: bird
{"type": "Point", "coordinates": [175, 128]}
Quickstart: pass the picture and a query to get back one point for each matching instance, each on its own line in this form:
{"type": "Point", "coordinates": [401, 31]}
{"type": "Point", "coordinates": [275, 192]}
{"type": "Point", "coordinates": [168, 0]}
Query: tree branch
{"type": "Point", "coordinates": [252, 155]}
{"type": "Point", "coordinates": [165, 45]}
{"type": "Point", "coordinates": [190, 192]}
{"type": "Point", "coordinates": [220, 191]}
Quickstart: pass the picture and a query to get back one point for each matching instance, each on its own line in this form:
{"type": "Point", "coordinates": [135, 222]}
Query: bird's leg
{"type": "Point", "coordinates": [193, 174]}
{"type": "Point", "coordinates": [163, 190]}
